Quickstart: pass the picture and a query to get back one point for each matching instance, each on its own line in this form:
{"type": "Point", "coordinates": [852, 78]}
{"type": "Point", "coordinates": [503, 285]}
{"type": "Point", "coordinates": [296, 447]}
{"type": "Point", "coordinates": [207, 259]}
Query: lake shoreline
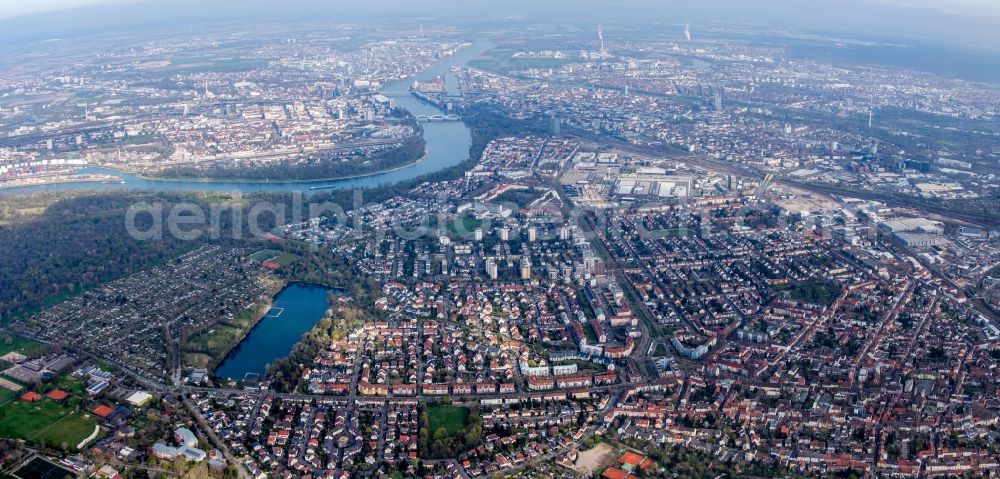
{"type": "Point", "coordinates": [234, 350]}
{"type": "Point", "coordinates": [261, 312]}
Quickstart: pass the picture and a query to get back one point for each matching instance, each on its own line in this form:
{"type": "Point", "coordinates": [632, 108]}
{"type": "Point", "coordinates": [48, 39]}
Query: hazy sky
{"type": "Point", "coordinates": [956, 7]}
{"type": "Point", "coordinates": [14, 8]}
{"type": "Point", "coordinates": [969, 23]}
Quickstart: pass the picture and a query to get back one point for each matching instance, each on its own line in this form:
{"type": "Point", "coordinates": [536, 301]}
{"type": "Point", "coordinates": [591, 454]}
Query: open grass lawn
{"type": "Point", "coordinates": [264, 255]}
{"type": "Point", "coordinates": [22, 420]}
{"type": "Point", "coordinates": [71, 430]}
{"type": "Point", "coordinates": [589, 366]}
{"type": "Point", "coordinates": [285, 259]}
{"type": "Point", "coordinates": [69, 384]}
{"type": "Point", "coordinates": [20, 345]}
{"type": "Point", "coordinates": [6, 396]}
{"type": "Point", "coordinates": [47, 420]}
{"type": "Point", "coordinates": [216, 341]}
{"type": "Point", "coordinates": [274, 256]}
{"type": "Point", "coordinates": [465, 224]}
{"type": "Point", "coordinates": [198, 360]}
{"type": "Point", "coordinates": [451, 418]}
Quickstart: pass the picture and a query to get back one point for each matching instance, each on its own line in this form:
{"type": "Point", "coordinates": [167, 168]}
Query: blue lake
{"type": "Point", "coordinates": [296, 310]}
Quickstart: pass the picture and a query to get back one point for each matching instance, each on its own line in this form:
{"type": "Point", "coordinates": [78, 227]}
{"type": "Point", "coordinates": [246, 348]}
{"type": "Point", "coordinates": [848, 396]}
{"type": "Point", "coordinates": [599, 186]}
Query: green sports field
{"type": "Point", "coordinates": [451, 418]}
{"type": "Point", "coordinates": [50, 421]}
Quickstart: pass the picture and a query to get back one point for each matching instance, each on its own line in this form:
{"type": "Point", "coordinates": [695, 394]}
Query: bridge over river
{"type": "Point", "coordinates": [430, 118]}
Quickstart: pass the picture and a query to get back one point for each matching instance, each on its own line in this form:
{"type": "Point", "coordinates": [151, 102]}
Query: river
{"type": "Point", "coordinates": [447, 144]}
{"type": "Point", "coordinates": [296, 309]}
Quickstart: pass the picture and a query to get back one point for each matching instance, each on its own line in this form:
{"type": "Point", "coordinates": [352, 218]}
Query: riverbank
{"type": "Point", "coordinates": [64, 180]}
{"type": "Point", "coordinates": [210, 179]}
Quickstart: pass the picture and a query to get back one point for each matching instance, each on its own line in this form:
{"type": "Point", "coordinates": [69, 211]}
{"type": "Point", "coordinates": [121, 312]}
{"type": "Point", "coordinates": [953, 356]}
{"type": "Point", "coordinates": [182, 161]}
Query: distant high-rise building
{"type": "Point", "coordinates": [599, 268]}
{"type": "Point", "coordinates": [478, 234]}
{"type": "Point", "coordinates": [718, 101]}
{"type": "Point", "coordinates": [564, 233]}
{"type": "Point", "coordinates": [504, 234]}
{"type": "Point", "coordinates": [491, 269]}
{"type": "Point", "coordinates": [532, 234]}
{"type": "Point", "coordinates": [525, 268]}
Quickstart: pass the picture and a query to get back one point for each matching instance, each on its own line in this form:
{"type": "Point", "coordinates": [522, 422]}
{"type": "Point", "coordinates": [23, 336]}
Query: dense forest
{"type": "Point", "coordinates": [82, 240]}
{"type": "Point", "coordinates": [74, 245]}
{"type": "Point", "coordinates": [316, 167]}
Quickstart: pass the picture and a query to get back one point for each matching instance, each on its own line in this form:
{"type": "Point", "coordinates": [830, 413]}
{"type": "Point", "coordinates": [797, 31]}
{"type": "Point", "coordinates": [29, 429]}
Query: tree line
{"type": "Point", "coordinates": [321, 166]}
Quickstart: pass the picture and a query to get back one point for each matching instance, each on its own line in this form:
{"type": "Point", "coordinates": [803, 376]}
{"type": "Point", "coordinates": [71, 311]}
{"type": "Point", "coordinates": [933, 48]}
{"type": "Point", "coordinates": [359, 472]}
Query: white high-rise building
{"type": "Point", "coordinates": [491, 269]}
{"type": "Point", "coordinates": [564, 233]}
